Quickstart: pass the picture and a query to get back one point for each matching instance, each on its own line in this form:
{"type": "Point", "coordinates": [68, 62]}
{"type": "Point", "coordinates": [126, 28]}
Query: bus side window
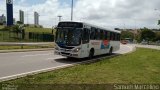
{"type": "Point", "coordinates": [98, 34]}
{"type": "Point", "coordinates": [85, 36]}
{"type": "Point", "coordinates": [119, 37]}
{"type": "Point", "coordinates": [115, 36]}
{"type": "Point", "coordinates": [92, 34]}
{"type": "Point", "coordinates": [111, 36]}
{"type": "Point", "coordinates": [105, 35]}
{"type": "Point", "coordinates": [101, 35]}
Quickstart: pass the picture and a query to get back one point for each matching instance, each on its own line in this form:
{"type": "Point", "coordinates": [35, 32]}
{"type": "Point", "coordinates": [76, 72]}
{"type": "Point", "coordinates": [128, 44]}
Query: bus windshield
{"type": "Point", "coordinates": [68, 36]}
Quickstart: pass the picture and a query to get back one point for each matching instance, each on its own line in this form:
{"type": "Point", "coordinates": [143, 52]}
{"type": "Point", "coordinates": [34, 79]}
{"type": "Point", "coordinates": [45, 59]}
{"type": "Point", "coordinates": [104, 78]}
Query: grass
{"type": "Point", "coordinates": [1, 26]}
{"type": "Point", "coordinates": [38, 30]}
{"type": "Point", "coordinates": [140, 67]}
{"type": "Point", "coordinates": [5, 36]}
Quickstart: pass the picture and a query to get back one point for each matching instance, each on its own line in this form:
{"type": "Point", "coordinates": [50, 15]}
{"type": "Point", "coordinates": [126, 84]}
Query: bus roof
{"type": "Point", "coordinates": [95, 26]}
{"type": "Point", "coordinates": [101, 27]}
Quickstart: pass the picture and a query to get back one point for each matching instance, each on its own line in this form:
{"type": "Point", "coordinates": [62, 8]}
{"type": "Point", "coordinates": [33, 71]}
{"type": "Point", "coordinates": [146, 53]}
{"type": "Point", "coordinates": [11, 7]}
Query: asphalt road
{"type": "Point", "coordinates": [18, 63]}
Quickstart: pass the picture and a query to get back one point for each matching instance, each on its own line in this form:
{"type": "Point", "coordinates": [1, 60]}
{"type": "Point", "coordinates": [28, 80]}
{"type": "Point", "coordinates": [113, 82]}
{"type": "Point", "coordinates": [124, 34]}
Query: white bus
{"type": "Point", "coordinates": [81, 40]}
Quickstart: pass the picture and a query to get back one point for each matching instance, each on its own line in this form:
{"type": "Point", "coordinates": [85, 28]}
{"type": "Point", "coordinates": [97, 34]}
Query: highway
{"type": "Point", "coordinates": [16, 64]}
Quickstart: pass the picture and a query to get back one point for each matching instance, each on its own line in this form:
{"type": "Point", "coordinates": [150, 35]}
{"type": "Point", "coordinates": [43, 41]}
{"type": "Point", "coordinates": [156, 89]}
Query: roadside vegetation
{"type": "Point", "coordinates": [26, 34]}
{"type": "Point", "coordinates": [1, 26]}
{"type": "Point", "coordinates": [38, 30]}
{"type": "Point", "coordinates": [132, 68]}
{"type": "Point", "coordinates": [142, 35]}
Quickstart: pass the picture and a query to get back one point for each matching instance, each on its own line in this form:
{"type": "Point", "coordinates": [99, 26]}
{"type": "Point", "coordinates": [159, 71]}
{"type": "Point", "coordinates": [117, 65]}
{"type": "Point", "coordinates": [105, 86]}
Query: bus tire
{"type": "Point", "coordinates": [111, 51]}
{"type": "Point", "coordinates": [91, 53]}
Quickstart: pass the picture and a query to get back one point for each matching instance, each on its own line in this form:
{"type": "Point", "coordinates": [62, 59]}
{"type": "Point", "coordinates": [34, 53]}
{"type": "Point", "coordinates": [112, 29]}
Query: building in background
{"type": "Point", "coordinates": [2, 19]}
{"type": "Point", "coordinates": [36, 18]}
{"type": "Point", "coordinates": [21, 16]}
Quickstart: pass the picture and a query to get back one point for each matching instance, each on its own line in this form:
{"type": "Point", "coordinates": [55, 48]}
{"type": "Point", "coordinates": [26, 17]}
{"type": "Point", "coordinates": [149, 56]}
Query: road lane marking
{"type": "Point", "coordinates": [33, 72]}
{"type": "Point", "coordinates": [36, 55]}
{"type": "Point", "coordinates": [52, 58]}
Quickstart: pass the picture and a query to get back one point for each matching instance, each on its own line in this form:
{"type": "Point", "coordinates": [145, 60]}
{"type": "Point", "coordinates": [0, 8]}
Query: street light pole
{"type": "Point", "coordinates": [60, 17]}
{"type": "Point", "coordinates": [27, 18]}
{"type": "Point", "coordinates": [72, 11]}
{"type": "Point", "coordinates": [159, 15]}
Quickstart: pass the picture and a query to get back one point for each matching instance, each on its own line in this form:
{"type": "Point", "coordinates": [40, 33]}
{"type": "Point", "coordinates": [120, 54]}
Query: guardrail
{"type": "Point", "coordinates": [26, 44]}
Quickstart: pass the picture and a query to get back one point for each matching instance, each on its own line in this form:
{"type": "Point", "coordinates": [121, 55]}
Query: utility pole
{"type": "Point", "coordinates": [72, 11]}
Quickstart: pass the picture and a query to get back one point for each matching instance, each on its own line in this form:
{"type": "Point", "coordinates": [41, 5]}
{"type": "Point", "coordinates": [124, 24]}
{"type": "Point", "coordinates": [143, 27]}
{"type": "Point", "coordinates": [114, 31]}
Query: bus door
{"type": "Point", "coordinates": [85, 42]}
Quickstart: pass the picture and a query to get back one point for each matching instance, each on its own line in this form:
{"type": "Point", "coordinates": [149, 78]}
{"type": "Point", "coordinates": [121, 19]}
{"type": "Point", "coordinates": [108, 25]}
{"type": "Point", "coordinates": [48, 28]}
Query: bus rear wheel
{"type": "Point", "coordinates": [91, 53]}
{"type": "Point", "coordinates": [111, 51]}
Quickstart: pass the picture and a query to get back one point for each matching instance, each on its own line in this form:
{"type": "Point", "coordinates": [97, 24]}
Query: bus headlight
{"type": "Point", "coordinates": [77, 49]}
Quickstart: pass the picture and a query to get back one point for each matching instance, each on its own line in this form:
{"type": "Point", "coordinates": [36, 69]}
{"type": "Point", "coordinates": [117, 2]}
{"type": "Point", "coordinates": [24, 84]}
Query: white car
{"type": "Point", "coordinates": [144, 42]}
{"type": "Point", "coordinates": [158, 42]}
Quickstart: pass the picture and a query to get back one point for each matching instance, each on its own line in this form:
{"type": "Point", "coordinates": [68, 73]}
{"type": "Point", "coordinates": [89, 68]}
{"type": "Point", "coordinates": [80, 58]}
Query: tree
{"type": "Point", "coordinates": [158, 22]}
{"type": "Point", "coordinates": [15, 29]}
{"type": "Point", "coordinates": [19, 22]}
{"type": "Point", "coordinates": [147, 35]}
{"type": "Point", "coordinates": [127, 34]}
{"type": "Point", "coordinates": [157, 36]}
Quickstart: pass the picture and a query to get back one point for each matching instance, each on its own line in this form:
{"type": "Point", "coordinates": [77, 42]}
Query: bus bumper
{"type": "Point", "coordinates": [67, 54]}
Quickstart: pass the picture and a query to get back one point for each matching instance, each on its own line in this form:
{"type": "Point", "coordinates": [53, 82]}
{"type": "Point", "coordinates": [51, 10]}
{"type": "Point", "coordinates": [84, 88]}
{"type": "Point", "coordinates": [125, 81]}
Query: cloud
{"type": "Point", "coordinates": [108, 13]}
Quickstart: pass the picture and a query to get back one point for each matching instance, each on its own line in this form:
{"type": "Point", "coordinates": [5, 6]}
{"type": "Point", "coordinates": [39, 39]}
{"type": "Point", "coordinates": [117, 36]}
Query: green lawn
{"type": "Point", "coordinates": [1, 26]}
{"type": "Point", "coordinates": [140, 67]}
{"type": "Point", "coordinates": [6, 36]}
{"type": "Point", "coordinates": [38, 30]}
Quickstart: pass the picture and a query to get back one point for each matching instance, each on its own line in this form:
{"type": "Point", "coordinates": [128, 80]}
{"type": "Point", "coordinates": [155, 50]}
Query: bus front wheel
{"type": "Point", "coordinates": [91, 53]}
{"type": "Point", "coordinates": [111, 51]}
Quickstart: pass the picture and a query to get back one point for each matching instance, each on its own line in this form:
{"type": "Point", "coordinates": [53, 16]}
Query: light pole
{"type": "Point", "coordinates": [59, 17]}
{"type": "Point", "coordinates": [72, 11]}
{"type": "Point", "coordinates": [159, 15]}
{"type": "Point", "coordinates": [27, 17]}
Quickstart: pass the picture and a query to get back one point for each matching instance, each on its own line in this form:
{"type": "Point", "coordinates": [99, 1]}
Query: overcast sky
{"type": "Point", "coordinates": [107, 13]}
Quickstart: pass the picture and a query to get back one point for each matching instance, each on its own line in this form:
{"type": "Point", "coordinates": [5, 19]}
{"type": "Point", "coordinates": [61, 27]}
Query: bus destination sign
{"type": "Point", "coordinates": [70, 24]}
